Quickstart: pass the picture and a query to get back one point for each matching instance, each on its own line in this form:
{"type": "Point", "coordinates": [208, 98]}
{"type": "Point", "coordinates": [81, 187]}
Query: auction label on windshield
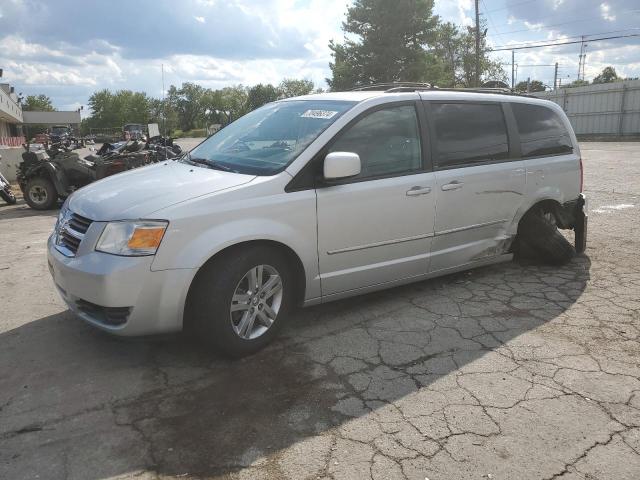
{"type": "Point", "coordinates": [318, 114]}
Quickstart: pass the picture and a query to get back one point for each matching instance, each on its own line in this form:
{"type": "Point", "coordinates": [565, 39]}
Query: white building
{"type": "Point", "coordinates": [10, 117]}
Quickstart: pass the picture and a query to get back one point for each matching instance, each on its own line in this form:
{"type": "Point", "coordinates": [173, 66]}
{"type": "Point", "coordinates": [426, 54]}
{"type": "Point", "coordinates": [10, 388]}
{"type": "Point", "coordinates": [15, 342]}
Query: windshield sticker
{"type": "Point", "coordinates": [325, 114]}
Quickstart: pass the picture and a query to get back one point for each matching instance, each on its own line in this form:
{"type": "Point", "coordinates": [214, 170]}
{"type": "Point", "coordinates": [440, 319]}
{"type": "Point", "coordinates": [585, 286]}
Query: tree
{"type": "Point", "coordinates": [607, 75]}
{"type": "Point", "coordinates": [577, 83]}
{"type": "Point", "coordinates": [534, 86]}
{"type": "Point", "coordinates": [187, 101]}
{"type": "Point", "coordinates": [290, 87]}
{"type": "Point", "coordinates": [117, 109]}
{"type": "Point", "coordinates": [403, 41]}
{"type": "Point", "coordinates": [389, 44]}
{"type": "Point", "coordinates": [260, 95]}
{"type": "Point", "coordinates": [454, 58]}
{"type": "Point", "coordinates": [233, 100]}
{"type": "Point", "coordinates": [38, 103]}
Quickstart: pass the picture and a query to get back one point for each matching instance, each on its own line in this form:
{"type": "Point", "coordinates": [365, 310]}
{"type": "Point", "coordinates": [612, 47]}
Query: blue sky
{"type": "Point", "coordinates": [69, 48]}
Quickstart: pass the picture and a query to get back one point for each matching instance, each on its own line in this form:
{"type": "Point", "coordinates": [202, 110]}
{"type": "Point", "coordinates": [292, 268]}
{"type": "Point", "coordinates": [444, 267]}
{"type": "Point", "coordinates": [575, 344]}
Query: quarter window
{"type": "Point", "coordinates": [469, 133]}
{"type": "Point", "coordinates": [542, 132]}
{"type": "Point", "coordinates": [387, 141]}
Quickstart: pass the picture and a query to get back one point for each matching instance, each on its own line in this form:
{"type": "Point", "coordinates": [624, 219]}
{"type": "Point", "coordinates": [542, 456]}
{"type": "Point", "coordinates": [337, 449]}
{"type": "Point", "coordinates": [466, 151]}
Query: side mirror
{"type": "Point", "coordinates": [338, 165]}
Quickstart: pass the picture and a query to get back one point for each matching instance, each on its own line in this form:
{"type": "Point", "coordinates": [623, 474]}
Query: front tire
{"type": "Point", "coordinates": [239, 301]}
{"type": "Point", "coordinates": [40, 193]}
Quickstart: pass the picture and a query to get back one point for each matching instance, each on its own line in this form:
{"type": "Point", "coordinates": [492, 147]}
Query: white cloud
{"type": "Point", "coordinates": [534, 26]}
{"type": "Point", "coordinates": [557, 4]}
{"type": "Point", "coordinates": [605, 10]}
{"type": "Point", "coordinates": [199, 19]}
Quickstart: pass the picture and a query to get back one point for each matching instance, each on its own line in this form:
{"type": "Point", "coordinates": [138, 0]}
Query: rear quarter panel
{"type": "Point", "coordinates": [555, 177]}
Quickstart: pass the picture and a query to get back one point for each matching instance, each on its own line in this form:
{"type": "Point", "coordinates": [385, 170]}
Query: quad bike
{"type": "Point", "coordinates": [47, 176]}
{"type": "Point", "coordinates": [5, 190]}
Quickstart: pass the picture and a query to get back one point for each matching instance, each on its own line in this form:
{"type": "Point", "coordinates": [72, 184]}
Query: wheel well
{"type": "Point", "coordinates": [298, 269]}
{"type": "Point", "coordinates": [554, 207]}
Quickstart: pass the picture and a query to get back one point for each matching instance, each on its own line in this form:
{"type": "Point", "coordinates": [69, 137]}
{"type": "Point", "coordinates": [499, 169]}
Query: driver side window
{"type": "Point", "coordinates": [387, 141]}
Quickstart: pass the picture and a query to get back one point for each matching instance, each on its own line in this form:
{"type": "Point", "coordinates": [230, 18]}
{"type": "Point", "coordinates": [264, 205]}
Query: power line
{"type": "Point", "coordinates": [563, 23]}
{"type": "Point", "coordinates": [491, 20]}
{"type": "Point", "coordinates": [580, 36]}
{"type": "Point", "coordinates": [503, 48]}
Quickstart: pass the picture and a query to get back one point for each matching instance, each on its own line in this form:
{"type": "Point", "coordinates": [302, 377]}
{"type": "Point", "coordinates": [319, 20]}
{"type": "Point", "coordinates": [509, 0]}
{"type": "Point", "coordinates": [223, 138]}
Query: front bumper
{"type": "Point", "coordinates": [120, 295]}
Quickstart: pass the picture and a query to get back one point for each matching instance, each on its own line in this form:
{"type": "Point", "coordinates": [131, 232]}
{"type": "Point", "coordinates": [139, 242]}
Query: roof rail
{"type": "Point", "coordinates": [395, 87]}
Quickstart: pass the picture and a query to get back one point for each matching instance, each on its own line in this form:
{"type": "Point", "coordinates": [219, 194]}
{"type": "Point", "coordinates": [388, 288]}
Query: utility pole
{"type": "Point", "coordinates": [513, 69]}
{"type": "Point", "coordinates": [164, 105]}
{"type": "Point", "coordinates": [555, 77]}
{"type": "Point", "coordinates": [477, 45]}
{"type": "Point", "coordinates": [528, 84]}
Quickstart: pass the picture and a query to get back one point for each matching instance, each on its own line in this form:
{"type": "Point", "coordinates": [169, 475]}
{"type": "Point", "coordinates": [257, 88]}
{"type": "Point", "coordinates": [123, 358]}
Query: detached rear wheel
{"type": "Point", "coordinates": [539, 237]}
{"type": "Point", "coordinates": [40, 193]}
{"type": "Point", "coordinates": [239, 302]}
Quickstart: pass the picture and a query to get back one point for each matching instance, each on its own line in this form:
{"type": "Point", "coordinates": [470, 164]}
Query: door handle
{"type": "Point", "coordinates": [417, 190]}
{"type": "Point", "coordinates": [455, 185]}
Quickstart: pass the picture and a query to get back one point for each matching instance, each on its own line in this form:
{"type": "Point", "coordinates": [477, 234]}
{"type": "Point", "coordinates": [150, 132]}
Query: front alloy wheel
{"type": "Point", "coordinates": [256, 302]}
{"type": "Point", "coordinates": [239, 300]}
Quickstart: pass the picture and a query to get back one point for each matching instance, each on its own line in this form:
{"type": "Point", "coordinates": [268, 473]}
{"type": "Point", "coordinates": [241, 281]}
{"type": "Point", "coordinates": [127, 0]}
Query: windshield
{"type": "Point", "coordinates": [133, 128]}
{"type": "Point", "coordinates": [58, 130]}
{"type": "Point", "coordinates": [268, 139]}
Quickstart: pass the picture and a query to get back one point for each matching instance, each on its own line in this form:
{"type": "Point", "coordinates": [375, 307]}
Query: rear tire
{"type": "Point", "coordinates": [8, 197]}
{"type": "Point", "coordinates": [539, 235]}
{"type": "Point", "coordinates": [40, 193]}
{"type": "Point", "coordinates": [226, 313]}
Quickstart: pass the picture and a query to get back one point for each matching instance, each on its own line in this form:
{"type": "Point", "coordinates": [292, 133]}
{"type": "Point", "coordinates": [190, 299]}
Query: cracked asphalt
{"type": "Point", "coordinates": [507, 372]}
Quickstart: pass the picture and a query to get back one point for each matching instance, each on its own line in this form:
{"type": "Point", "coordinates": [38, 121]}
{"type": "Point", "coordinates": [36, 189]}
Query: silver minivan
{"type": "Point", "coordinates": [317, 198]}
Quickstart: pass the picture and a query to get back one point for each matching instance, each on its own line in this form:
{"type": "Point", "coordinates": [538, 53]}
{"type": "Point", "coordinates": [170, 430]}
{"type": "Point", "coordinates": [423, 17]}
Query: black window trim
{"type": "Point", "coordinates": [310, 178]}
{"type": "Point", "coordinates": [509, 121]}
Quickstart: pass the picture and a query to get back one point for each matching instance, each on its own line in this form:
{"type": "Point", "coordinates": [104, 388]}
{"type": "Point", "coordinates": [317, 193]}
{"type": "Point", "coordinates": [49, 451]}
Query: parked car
{"type": "Point", "coordinates": [317, 198]}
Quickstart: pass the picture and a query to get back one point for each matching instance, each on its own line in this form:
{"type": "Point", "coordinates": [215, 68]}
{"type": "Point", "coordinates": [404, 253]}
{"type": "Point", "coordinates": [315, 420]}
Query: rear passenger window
{"type": "Point", "coordinates": [542, 132]}
{"type": "Point", "coordinates": [468, 133]}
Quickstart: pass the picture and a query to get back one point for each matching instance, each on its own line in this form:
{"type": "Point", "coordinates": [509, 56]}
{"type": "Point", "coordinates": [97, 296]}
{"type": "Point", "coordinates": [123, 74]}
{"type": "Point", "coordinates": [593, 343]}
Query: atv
{"type": "Point", "coordinates": [49, 175]}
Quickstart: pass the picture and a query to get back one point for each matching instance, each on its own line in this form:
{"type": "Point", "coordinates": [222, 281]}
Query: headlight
{"type": "Point", "coordinates": [132, 239]}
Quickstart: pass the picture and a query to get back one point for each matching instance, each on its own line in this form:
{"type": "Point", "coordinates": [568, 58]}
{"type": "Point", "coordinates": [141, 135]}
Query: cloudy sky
{"type": "Point", "coordinates": [69, 48]}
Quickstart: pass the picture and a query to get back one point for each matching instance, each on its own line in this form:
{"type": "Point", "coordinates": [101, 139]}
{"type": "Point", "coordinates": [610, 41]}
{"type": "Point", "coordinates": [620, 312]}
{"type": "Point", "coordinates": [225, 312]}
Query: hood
{"type": "Point", "coordinates": [142, 191]}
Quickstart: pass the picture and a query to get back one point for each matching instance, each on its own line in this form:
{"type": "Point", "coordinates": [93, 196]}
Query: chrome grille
{"type": "Point", "coordinates": [70, 231]}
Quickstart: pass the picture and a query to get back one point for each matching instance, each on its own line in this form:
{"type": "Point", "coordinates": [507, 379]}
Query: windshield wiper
{"type": "Point", "coordinates": [210, 164]}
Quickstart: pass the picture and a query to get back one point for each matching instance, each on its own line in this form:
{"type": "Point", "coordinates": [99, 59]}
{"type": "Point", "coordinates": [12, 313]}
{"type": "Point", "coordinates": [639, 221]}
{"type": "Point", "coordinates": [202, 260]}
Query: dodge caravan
{"type": "Point", "coordinates": [317, 198]}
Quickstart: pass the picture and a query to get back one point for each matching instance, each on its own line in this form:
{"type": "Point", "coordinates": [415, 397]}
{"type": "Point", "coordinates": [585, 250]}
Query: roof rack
{"type": "Point", "coordinates": [395, 87]}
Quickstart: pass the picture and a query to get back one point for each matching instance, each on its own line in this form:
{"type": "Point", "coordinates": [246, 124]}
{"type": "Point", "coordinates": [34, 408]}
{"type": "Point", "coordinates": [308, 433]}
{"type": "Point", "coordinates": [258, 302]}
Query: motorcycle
{"type": "Point", "coordinates": [162, 148]}
{"type": "Point", "coordinates": [5, 189]}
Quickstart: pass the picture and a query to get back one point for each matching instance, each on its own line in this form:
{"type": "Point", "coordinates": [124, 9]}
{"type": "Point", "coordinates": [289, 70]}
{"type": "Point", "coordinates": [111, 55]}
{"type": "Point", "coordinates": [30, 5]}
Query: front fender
{"type": "Point", "coordinates": [287, 218]}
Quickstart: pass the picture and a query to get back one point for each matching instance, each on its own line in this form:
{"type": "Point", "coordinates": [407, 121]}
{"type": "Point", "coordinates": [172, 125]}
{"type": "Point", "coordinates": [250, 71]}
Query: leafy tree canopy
{"type": "Point", "coordinates": [38, 103]}
{"type": "Point", "coordinates": [534, 86]}
{"type": "Point", "coordinates": [607, 75]}
{"type": "Point", "coordinates": [403, 41]}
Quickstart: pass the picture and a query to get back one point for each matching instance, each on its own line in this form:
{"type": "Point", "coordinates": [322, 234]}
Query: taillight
{"type": "Point", "coordinates": [581, 176]}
